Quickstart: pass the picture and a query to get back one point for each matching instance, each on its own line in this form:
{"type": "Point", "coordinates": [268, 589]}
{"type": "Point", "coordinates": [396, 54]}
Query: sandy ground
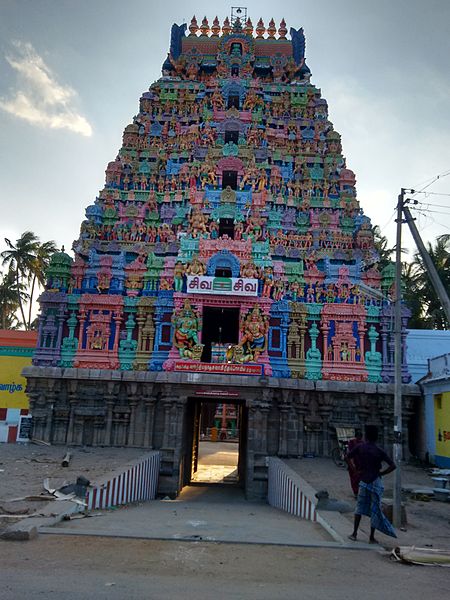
{"type": "Point", "coordinates": [82, 568]}
{"type": "Point", "coordinates": [23, 468]}
{"type": "Point", "coordinates": [428, 522]}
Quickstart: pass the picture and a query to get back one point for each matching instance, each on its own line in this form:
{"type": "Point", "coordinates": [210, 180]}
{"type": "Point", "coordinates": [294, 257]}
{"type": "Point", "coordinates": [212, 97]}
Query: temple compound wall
{"type": "Point", "coordinates": [226, 258]}
{"type": "Point", "coordinates": [281, 417]}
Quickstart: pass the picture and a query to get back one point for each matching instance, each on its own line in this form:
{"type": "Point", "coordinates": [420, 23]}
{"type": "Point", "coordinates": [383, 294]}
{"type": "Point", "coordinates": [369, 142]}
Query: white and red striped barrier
{"type": "Point", "coordinates": [288, 492]}
{"type": "Point", "coordinates": [137, 482]}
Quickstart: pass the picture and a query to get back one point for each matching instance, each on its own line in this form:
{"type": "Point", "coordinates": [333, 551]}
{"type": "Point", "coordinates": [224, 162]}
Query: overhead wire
{"type": "Point", "coordinates": [433, 180]}
{"type": "Point", "coordinates": [432, 193]}
{"type": "Point", "coordinates": [388, 222]}
{"type": "Point", "coordinates": [433, 204]}
{"type": "Point", "coordinates": [438, 212]}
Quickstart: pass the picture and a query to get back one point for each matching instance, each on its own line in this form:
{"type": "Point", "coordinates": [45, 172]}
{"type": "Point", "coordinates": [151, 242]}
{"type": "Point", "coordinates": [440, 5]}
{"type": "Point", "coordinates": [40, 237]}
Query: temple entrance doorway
{"type": "Point", "coordinates": [216, 441]}
{"type": "Point", "coordinates": [220, 328]}
{"type": "Point", "coordinates": [229, 179]}
{"type": "Point", "coordinates": [226, 227]}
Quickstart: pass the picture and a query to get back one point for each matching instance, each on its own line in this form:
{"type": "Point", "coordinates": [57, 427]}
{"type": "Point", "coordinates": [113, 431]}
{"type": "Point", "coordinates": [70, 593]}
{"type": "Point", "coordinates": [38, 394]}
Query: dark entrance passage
{"type": "Point", "coordinates": [229, 178]}
{"type": "Point", "coordinates": [215, 442]}
{"type": "Point", "coordinates": [226, 227]}
{"type": "Point", "coordinates": [231, 136]}
{"type": "Point", "coordinates": [220, 326]}
{"type": "Point", "coordinates": [233, 101]}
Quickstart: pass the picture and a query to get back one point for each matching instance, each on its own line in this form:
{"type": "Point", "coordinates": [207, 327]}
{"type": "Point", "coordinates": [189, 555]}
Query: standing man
{"type": "Point", "coordinates": [369, 458]}
{"type": "Point", "coordinates": [354, 470]}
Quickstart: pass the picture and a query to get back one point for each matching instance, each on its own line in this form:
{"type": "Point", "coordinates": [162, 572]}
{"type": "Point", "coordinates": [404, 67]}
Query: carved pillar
{"type": "Point", "coordinates": [384, 343]}
{"type": "Point", "coordinates": [361, 331]}
{"type": "Point", "coordinates": [301, 408]}
{"type": "Point", "coordinates": [363, 409]}
{"type": "Point", "coordinates": [132, 401]}
{"type": "Point", "coordinates": [40, 327]}
{"type": "Point", "coordinates": [149, 421]}
{"type": "Point", "coordinates": [111, 388]}
{"type": "Point", "coordinates": [72, 394]}
{"type": "Point", "coordinates": [118, 319]}
{"type": "Point", "coordinates": [140, 320]}
{"type": "Point", "coordinates": [284, 406]}
{"type": "Point", "coordinates": [167, 405]}
{"type": "Point", "coordinates": [82, 320]}
{"type": "Point", "coordinates": [325, 339]}
{"type": "Point", "coordinates": [325, 410]}
{"type": "Point", "coordinates": [60, 320]}
{"type": "Point", "coordinates": [50, 399]}
{"type": "Point", "coordinates": [303, 328]}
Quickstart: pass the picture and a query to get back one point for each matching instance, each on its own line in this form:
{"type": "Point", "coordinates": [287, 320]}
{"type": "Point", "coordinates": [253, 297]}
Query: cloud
{"type": "Point", "coordinates": [38, 98]}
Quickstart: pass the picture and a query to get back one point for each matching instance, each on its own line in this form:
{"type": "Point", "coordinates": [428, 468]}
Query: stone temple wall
{"type": "Point", "coordinates": [287, 418]}
{"type": "Point", "coordinates": [229, 196]}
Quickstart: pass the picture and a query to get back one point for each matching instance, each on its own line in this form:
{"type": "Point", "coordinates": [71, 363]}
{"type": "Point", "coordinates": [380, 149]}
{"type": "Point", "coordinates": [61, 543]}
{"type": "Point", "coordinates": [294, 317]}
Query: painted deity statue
{"type": "Point", "coordinates": [197, 222]}
{"type": "Point", "coordinates": [178, 273]}
{"type": "Point", "coordinates": [195, 267]}
{"type": "Point", "coordinates": [254, 334]}
{"type": "Point", "coordinates": [186, 326]}
{"type": "Point", "coordinates": [250, 270]}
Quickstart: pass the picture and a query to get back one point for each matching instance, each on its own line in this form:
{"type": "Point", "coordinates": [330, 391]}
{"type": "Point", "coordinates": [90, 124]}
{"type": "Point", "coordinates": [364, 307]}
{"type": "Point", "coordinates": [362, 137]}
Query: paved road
{"type": "Point", "coordinates": [81, 568]}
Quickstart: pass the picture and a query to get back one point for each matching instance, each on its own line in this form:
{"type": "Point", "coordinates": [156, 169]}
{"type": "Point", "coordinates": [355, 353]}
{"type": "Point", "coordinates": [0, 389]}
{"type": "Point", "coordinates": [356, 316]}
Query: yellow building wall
{"type": "Point", "coordinates": [12, 384]}
{"type": "Point", "coordinates": [442, 423]}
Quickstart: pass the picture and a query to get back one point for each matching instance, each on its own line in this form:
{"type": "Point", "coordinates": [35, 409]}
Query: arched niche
{"type": "Point", "coordinates": [223, 259]}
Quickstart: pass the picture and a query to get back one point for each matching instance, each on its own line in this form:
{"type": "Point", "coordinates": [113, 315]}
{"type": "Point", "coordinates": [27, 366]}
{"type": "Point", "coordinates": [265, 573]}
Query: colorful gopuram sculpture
{"type": "Point", "coordinates": [230, 192]}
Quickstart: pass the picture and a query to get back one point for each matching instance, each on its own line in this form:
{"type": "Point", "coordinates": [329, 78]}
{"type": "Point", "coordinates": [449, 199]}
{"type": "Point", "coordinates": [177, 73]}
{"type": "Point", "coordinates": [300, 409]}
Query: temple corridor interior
{"type": "Point", "coordinates": [216, 443]}
{"type": "Point", "coordinates": [220, 328]}
{"type": "Point", "coordinates": [217, 462]}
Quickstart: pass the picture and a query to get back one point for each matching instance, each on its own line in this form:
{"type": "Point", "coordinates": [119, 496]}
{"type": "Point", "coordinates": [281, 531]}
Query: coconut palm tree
{"type": "Point", "coordinates": [9, 304]}
{"type": "Point", "coordinates": [412, 295]}
{"type": "Point", "coordinates": [385, 251]}
{"type": "Point", "coordinates": [20, 258]}
{"type": "Point", "coordinates": [433, 312]}
{"type": "Point", "coordinates": [43, 254]}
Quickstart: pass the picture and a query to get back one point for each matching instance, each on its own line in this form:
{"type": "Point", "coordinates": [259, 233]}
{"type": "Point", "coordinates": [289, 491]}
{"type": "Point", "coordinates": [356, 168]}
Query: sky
{"type": "Point", "coordinates": [72, 72]}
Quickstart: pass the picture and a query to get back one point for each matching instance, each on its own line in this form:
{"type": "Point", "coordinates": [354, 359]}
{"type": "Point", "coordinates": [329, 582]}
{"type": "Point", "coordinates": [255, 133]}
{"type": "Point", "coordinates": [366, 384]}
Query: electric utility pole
{"type": "Point", "coordinates": [398, 428]}
{"type": "Point", "coordinates": [398, 360]}
{"type": "Point", "coordinates": [439, 288]}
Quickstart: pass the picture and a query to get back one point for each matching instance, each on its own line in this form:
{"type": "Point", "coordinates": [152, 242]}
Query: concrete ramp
{"type": "Point", "coordinates": [202, 512]}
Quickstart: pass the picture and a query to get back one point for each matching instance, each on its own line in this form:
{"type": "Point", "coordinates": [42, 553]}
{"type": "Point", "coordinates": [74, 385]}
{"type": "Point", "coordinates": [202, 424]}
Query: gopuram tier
{"type": "Point", "coordinates": [227, 240]}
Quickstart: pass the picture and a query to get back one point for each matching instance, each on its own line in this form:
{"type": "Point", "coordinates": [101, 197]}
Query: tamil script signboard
{"type": "Point", "coordinates": [230, 369]}
{"type": "Point", "coordinates": [230, 286]}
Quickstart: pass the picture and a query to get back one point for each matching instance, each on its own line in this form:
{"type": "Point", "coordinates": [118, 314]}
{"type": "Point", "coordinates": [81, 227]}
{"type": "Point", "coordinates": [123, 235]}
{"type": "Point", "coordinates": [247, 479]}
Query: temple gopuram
{"type": "Point", "coordinates": [226, 260]}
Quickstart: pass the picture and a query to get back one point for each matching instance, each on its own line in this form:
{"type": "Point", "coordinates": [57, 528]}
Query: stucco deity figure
{"type": "Point", "coordinates": [195, 267]}
{"type": "Point", "coordinates": [267, 282]}
{"type": "Point", "coordinates": [238, 231]}
{"type": "Point", "coordinates": [254, 226]}
{"type": "Point", "coordinates": [217, 100]}
{"type": "Point", "coordinates": [250, 270]}
{"type": "Point", "coordinates": [97, 338]}
{"type": "Point", "coordinates": [178, 273]}
{"type": "Point", "coordinates": [254, 333]}
{"type": "Point", "coordinates": [186, 327]}
{"type": "Point", "coordinates": [197, 222]}
{"type": "Point", "coordinates": [278, 289]}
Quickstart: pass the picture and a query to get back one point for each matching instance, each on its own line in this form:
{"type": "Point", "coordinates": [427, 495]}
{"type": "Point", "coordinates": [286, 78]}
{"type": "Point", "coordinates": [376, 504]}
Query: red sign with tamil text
{"type": "Point", "coordinates": [199, 367]}
{"type": "Point", "coordinates": [217, 393]}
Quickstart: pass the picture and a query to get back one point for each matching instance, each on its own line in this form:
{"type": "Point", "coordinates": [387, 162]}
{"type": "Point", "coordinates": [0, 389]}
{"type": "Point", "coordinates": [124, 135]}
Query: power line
{"type": "Point", "coordinates": [433, 180]}
{"type": "Point", "coordinates": [432, 221]}
{"type": "Point", "coordinates": [390, 219]}
{"type": "Point", "coordinates": [438, 212]}
{"type": "Point", "coordinates": [434, 205]}
{"type": "Point", "coordinates": [432, 193]}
